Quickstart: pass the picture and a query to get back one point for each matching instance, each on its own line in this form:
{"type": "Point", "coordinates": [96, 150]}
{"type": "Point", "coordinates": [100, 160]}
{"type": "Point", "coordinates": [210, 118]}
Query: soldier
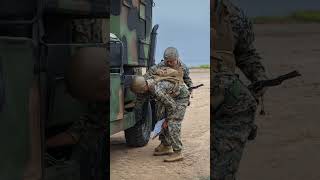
{"type": "Point", "coordinates": [171, 59]}
{"type": "Point", "coordinates": [86, 80]}
{"type": "Point", "coordinates": [234, 106]}
{"type": "Point", "coordinates": [173, 94]}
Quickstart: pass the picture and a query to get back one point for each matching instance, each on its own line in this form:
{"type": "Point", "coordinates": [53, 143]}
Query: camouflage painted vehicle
{"type": "Point", "coordinates": [36, 43]}
{"type": "Point", "coordinates": [132, 48]}
{"type": "Point", "coordinates": [35, 46]}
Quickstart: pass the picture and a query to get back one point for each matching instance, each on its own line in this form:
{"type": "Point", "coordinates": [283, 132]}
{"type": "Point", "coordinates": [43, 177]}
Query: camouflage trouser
{"type": "Point", "coordinates": [233, 122]}
{"type": "Point", "coordinates": [172, 135]}
{"type": "Point", "coordinates": [230, 136]}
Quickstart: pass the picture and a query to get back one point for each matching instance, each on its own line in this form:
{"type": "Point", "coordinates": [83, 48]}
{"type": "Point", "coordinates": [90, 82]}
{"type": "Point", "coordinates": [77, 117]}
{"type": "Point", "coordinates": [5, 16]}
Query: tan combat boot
{"type": "Point", "coordinates": [162, 150]}
{"type": "Point", "coordinates": [158, 147]}
{"type": "Point", "coordinates": [175, 156]}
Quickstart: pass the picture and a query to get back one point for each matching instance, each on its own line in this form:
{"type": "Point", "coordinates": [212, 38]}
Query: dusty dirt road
{"type": "Point", "coordinates": [288, 143]}
{"type": "Point", "coordinates": [140, 164]}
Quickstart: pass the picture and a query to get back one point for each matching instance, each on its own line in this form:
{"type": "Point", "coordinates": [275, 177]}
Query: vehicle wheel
{"type": "Point", "coordinates": [139, 134]}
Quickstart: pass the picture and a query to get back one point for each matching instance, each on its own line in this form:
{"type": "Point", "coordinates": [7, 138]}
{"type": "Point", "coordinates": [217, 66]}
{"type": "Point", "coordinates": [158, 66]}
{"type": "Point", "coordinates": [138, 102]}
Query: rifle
{"type": "Point", "coordinates": [257, 86]}
{"type": "Point", "coordinates": [195, 87]}
{"type": "Point", "coordinates": [272, 82]}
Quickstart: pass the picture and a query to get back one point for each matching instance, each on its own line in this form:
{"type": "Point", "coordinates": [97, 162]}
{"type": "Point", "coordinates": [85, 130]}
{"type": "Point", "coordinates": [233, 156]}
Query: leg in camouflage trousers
{"type": "Point", "coordinates": [174, 134]}
{"type": "Point", "coordinates": [230, 137]}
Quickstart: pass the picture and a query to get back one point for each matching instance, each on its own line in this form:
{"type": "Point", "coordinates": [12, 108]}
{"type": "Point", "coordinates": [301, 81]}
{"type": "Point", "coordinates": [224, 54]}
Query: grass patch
{"type": "Point", "coordinates": [311, 16]}
{"type": "Point", "coordinates": [295, 17]}
{"type": "Point", "coordinates": [204, 66]}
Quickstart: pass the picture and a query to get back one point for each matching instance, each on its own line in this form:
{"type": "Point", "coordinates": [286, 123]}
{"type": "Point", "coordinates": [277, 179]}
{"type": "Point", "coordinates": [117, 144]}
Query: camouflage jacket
{"type": "Point", "coordinates": [237, 98]}
{"type": "Point", "coordinates": [186, 77]}
{"type": "Point", "coordinates": [246, 57]}
{"type": "Point", "coordinates": [167, 96]}
{"type": "Point", "coordinates": [90, 126]}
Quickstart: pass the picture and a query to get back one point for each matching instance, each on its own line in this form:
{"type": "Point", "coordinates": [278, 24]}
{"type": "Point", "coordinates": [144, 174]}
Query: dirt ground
{"type": "Point", "coordinates": [140, 164]}
{"type": "Point", "coordinates": [288, 143]}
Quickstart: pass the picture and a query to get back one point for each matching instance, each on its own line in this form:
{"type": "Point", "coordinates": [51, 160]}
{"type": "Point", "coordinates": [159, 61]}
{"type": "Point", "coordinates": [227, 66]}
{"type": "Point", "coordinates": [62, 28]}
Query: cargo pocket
{"type": "Point", "coordinates": [232, 95]}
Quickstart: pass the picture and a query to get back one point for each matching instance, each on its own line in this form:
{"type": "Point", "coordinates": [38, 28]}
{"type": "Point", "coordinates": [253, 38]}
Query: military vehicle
{"type": "Point", "coordinates": [37, 42]}
{"type": "Point", "coordinates": [132, 48]}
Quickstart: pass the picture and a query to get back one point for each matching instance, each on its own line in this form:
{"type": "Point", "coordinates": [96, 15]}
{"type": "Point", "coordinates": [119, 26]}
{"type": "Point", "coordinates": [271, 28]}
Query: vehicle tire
{"type": "Point", "coordinates": [139, 134]}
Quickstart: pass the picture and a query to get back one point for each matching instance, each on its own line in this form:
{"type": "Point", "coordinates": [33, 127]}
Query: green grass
{"type": "Point", "coordinates": [296, 17]}
{"type": "Point", "coordinates": [312, 16]}
{"type": "Point", "coordinates": [204, 66]}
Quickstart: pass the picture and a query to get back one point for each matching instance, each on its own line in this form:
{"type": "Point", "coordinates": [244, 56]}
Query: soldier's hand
{"type": "Point", "coordinates": [191, 93]}
{"type": "Point", "coordinates": [260, 93]}
{"type": "Point", "coordinates": [165, 124]}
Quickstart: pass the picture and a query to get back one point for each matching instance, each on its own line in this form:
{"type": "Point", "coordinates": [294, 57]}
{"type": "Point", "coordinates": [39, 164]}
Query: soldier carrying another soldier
{"type": "Point", "coordinates": [167, 87]}
{"type": "Point", "coordinates": [171, 59]}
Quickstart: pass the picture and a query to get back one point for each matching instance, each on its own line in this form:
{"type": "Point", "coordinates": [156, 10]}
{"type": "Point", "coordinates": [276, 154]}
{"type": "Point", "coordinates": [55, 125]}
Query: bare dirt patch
{"type": "Point", "coordinates": [140, 164]}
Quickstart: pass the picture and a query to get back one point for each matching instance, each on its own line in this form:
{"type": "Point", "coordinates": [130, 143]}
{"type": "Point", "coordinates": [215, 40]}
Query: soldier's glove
{"type": "Point", "coordinates": [260, 93]}
{"type": "Point", "coordinates": [190, 92]}
{"type": "Point", "coordinates": [259, 99]}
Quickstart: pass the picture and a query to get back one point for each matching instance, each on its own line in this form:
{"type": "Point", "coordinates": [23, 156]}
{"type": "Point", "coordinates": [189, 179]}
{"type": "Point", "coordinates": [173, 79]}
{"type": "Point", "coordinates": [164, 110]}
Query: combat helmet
{"type": "Point", "coordinates": [138, 84]}
{"type": "Point", "coordinates": [170, 52]}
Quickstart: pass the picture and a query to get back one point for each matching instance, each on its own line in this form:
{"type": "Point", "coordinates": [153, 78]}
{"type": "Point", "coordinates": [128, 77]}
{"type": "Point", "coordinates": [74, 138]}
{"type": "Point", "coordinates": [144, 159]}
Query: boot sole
{"type": "Point", "coordinates": [162, 154]}
{"type": "Point", "coordinates": [173, 160]}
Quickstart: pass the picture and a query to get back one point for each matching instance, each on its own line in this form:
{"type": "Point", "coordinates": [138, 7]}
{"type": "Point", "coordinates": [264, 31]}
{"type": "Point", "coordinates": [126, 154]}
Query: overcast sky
{"type": "Point", "coordinates": [184, 24]}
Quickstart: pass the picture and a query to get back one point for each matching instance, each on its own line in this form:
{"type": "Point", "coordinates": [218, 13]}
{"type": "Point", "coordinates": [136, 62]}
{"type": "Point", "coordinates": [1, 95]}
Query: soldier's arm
{"type": "Point", "coordinates": [95, 119]}
{"type": "Point", "coordinates": [186, 77]}
{"type": "Point", "coordinates": [162, 96]}
{"type": "Point", "coordinates": [139, 103]}
{"type": "Point", "coordinates": [247, 58]}
{"type": "Point", "coordinates": [152, 70]}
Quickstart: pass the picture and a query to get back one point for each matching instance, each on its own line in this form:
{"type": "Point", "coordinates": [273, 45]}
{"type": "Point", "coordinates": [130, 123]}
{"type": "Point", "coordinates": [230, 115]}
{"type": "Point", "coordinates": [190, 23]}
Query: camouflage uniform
{"type": "Point", "coordinates": [89, 128]}
{"type": "Point", "coordinates": [186, 77]}
{"type": "Point", "coordinates": [85, 31]}
{"type": "Point", "coordinates": [175, 108]}
{"type": "Point", "coordinates": [174, 99]}
{"type": "Point", "coordinates": [162, 109]}
{"type": "Point", "coordinates": [234, 114]}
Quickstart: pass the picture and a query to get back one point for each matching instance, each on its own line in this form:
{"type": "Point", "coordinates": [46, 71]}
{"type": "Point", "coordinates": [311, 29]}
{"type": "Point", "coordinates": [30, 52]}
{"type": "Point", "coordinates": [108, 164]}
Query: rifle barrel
{"type": "Point", "coordinates": [273, 82]}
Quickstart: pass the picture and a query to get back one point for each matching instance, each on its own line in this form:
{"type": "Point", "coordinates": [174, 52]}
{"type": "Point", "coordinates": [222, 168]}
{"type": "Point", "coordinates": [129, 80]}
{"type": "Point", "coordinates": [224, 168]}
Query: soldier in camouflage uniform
{"type": "Point", "coordinates": [174, 96]}
{"type": "Point", "coordinates": [92, 63]}
{"type": "Point", "coordinates": [234, 106]}
{"type": "Point", "coordinates": [170, 59]}
{"type": "Point", "coordinates": [88, 66]}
